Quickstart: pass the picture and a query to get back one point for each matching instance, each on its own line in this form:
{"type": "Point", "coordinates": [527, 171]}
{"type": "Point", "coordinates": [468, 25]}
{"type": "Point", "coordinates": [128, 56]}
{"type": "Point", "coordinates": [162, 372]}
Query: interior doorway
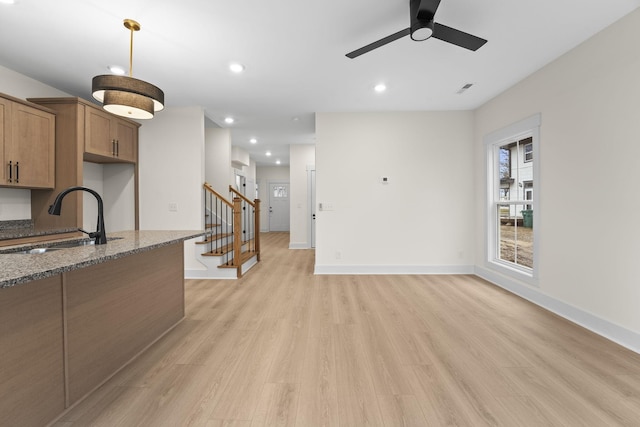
{"type": "Point", "coordinates": [241, 184]}
{"type": "Point", "coordinates": [312, 208]}
{"type": "Point", "coordinates": [279, 206]}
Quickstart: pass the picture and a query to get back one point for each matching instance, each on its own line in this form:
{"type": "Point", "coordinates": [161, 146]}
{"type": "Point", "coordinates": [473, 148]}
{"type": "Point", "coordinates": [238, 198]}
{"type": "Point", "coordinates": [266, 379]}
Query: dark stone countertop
{"type": "Point", "coordinates": [17, 268]}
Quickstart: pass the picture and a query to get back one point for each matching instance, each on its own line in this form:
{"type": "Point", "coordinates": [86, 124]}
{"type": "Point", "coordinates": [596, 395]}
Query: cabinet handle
{"type": "Point", "coordinates": [17, 172]}
{"type": "Point", "coordinates": [117, 148]}
{"type": "Point", "coordinates": [10, 171]}
{"type": "Point", "coordinates": [113, 147]}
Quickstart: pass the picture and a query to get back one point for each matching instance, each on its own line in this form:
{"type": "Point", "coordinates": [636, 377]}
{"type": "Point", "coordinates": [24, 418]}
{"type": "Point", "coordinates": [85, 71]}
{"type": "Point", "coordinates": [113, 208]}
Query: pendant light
{"type": "Point", "coordinates": [124, 95]}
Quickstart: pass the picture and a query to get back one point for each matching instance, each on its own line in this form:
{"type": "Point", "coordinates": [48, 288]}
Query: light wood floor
{"type": "Point", "coordinates": [284, 347]}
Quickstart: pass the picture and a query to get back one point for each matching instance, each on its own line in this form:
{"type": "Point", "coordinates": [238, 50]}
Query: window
{"type": "Point", "coordinates": [528, 152]}
{"type": "Point", "coordinates": [280, 191]}
{"type": "Point", "coordinates": [512, 183]}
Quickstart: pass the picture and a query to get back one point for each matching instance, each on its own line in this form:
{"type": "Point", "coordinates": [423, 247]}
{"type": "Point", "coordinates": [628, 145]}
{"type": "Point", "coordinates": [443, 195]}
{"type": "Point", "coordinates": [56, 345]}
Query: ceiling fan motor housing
{"type": "Point", "coordinates": [421, 23]}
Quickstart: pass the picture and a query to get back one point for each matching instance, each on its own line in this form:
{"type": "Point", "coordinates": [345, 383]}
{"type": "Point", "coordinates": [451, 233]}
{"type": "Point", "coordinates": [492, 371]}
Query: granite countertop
{"type": "Point", "coordinates": [17, 229]}
{"type": "Point", "coordinates": [17, 268]}
{"type": "Point", "coordinates": [19, 233]}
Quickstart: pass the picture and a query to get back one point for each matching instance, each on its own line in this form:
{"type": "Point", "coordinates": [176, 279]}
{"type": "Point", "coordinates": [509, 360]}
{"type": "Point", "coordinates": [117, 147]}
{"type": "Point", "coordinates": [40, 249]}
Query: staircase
{"type": "Point", "coordinates": [231, 245]}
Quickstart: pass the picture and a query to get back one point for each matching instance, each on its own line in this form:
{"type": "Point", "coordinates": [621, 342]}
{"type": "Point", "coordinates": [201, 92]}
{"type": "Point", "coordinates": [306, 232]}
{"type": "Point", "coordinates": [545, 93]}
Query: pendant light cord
{"type": "Point", "coordinates": [131, 54]}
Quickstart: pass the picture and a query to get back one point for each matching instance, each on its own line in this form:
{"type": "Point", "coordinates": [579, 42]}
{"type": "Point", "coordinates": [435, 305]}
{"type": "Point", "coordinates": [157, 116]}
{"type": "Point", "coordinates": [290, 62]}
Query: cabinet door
{"type": "Point", "coordinates": [31, 147]}
{"type": "Point", "coordinates": [126, 141]}
{"type": "Point", "coordinates": [31, 339]}
{"type": "Point", "coordinates": [99, 136]}
{"type": "Point", "coordinates": [5, 127]}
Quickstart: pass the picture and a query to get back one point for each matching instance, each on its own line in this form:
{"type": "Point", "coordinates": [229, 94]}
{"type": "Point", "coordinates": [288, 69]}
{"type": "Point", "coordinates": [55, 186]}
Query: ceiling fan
{"type": "Point", "coordinates": [422, 27]}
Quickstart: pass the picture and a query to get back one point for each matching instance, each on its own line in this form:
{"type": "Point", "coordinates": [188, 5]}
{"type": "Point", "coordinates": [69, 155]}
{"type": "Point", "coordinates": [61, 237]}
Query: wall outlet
{"type": "Point", "coordinates": [338, 255]}
{"type": "Point", "coordinates": [173, 207]}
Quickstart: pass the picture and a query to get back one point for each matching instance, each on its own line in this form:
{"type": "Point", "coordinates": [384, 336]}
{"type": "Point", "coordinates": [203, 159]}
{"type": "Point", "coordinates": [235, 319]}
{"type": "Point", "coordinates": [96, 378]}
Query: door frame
{"type": "Point", "coordinates": [311, 212]}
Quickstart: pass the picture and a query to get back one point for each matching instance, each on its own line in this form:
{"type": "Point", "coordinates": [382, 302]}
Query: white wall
{"type": "Point", "coordinates": [422, 220]}
{"type": "Point", "coordinates": [218, 158]}
{"type": "Point", "coordinates": [115, 184]}
{"type": "Point", "coordinates": [589, 245]}
{"type": "Point", "coordinates": [171, 154]}
{"type": "Point", "coordinates": [92, 177]}
{"type": "Point", "coordinates": [251, 179]}
{"type": "Point", "coordinates": [264, 175]}
{"type": "Point", "coordinates": [300, 157]}
{"type": "Point", "coordinates": [16, 204]}
{"type": "Point", "coordinates": [119, 196]}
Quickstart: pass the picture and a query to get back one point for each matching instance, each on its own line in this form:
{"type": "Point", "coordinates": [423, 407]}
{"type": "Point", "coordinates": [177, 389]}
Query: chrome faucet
{"type": "Point", "coordinates": [100, 235]}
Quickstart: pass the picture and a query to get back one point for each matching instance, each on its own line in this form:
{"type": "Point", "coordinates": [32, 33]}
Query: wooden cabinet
{"type": "Point", "coordinates": [32, 376]}
{"type": "Point", "coordinates": [84, 132]}
{"type": "Point", "coordinates": [110, 137]}
{"type": "Point", "coordinates": [114, 310]}
{"type": "Point", "coordinates": [63, 336]}
{"type": "Point", "coordinates": [5, 131]}
{"type": "Point", "coordinates": [27, 147]}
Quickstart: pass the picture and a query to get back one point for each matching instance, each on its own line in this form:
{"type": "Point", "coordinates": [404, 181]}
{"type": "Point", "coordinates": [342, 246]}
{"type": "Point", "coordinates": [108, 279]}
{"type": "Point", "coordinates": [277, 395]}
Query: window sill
{"type": "Point", "coordinates": [524, 275]}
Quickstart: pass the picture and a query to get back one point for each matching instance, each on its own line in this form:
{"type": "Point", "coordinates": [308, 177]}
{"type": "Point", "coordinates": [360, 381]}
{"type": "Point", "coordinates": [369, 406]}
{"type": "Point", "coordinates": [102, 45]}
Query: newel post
{"type": "Point", "coordinates": [237, 235]}
{"type": "Point", "coordinates": [256, 228]}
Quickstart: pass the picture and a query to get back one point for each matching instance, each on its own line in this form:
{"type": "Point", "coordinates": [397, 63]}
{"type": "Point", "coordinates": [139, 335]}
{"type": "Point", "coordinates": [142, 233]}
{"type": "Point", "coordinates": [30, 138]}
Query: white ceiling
{"type": "Point", "coordinates": [294, 53]}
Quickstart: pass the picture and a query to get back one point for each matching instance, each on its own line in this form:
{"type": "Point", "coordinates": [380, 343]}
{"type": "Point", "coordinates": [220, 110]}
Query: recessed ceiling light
{"type": "Point", "coordinates": [268, 153]}
{"type": "Point", "coordinates": [115, 69]}
{"type": "Point", "coordinates": [380, 87]}
{"type": "Point", "coordinates": [253, 140]}
{"type": "Point", "coordinates": [295, 119]}
{"type": "Point", "coordinates": [229, 120]}
{"type": "Point", "coordinates": [236, 68]}
{"type": "Point", "coordinates": [277, 162]}
{"type": "Point", "coordinates": [8, 1]}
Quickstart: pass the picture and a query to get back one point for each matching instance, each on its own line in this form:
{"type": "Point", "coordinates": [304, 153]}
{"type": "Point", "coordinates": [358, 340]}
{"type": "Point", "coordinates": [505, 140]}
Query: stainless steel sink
{"type": "Point", "coordinates": [54, 247]}
{"type": "Point", "coordinates": [37, 251]}
{"type": "Point", "coordinates": [74, 244]}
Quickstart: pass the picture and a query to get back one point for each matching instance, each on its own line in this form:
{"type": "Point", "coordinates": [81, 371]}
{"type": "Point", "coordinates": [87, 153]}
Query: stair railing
{"type": "Point", "coordinates": [250, 221]}
{"type": "Point", "coordinates": [219, 224]}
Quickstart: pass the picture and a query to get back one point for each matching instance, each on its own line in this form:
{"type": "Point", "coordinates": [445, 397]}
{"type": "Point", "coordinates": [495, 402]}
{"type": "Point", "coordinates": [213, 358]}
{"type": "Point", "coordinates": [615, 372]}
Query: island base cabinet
{"type": "Point", "coordinates": [116, 309]}
{"type": "Point", "coordinates": [31, 353]}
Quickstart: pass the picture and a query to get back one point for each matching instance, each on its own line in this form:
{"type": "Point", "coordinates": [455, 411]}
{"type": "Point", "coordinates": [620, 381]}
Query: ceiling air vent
{"type": "Point", "coordinates": [465, 87]}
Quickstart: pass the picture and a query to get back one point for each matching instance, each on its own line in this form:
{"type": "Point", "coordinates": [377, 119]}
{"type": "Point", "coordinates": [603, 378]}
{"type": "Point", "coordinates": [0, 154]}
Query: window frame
{"type": "Point", "coordinates": [524, 152]}
{"type": "Point", "coordinates": [529, 127]}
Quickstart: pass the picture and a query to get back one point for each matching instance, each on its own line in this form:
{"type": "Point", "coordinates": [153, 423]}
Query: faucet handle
{"type": "Point", "coordinates": [90, 234]}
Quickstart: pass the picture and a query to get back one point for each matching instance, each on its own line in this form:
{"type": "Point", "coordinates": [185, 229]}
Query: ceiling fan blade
{"type": "Point", "coordinates": [379, 43]}
{"type": "Point", "coordinates": [427, 9]}
{"type": "Point", "coordinates": [457, 37]}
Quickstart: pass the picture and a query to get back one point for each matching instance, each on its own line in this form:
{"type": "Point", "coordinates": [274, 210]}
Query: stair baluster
{"type": "Point", "coordinates": [238, 220]}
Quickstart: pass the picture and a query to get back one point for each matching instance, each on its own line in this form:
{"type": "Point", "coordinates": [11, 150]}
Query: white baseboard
{"type": "Point", "coordinates": [611, 331]}
{"type": "Point", "coordinates": [393, 269]}
{"type": "Point", "coordinates": [303, 245]}
{"type": "Point", "coordinates": [204, 274]}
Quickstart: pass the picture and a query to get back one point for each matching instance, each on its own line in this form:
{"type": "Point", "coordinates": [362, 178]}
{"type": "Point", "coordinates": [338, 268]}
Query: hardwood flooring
{"type": "Point", "coordinates": [282, 347]}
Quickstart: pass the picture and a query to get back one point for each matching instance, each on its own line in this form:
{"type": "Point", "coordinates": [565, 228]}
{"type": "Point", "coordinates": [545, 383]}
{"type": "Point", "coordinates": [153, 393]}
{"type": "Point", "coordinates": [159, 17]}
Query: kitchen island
{"type": "Point", "coordinates": [71, 318]}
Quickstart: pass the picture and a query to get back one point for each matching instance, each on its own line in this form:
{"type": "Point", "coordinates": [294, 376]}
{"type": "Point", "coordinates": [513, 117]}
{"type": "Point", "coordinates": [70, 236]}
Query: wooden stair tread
{"type": "Point", "coordinates": [213, 237]}
{"type": "Point", "coordinates": [223, 250]}
{"type": "Point", "coordinates": [243, 258]}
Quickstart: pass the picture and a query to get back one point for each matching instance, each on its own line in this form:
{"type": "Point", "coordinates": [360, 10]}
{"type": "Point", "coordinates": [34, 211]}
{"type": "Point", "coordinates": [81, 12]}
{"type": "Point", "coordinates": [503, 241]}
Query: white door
{"type": "Point", "coordinates": [279, 206]}
{"type": "Point", "coordinates": [312, 197]}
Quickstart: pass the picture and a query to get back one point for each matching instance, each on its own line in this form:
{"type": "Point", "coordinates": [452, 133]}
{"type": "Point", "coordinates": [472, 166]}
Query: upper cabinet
{"type": "Point", "coordinates": [84, 133]}
{"type": "Point", "coordinates": [101, 136]}
{"type": "Point", "coordinates": [27, 144]}
{"type": "Point", "coordinates": [109, 137]}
